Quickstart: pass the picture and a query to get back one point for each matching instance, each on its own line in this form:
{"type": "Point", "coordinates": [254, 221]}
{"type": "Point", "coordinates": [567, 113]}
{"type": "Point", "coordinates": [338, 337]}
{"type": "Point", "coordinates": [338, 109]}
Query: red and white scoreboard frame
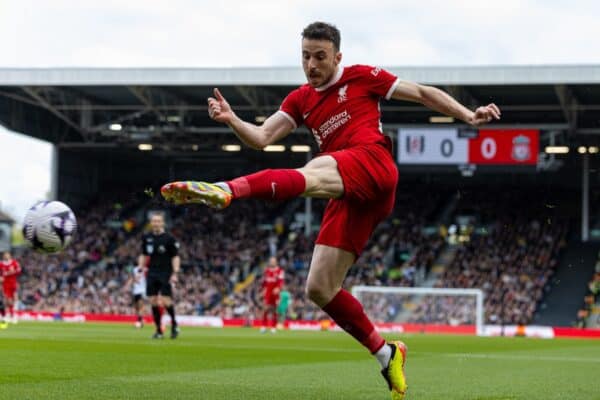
{"type": "Point", "coordinates": [451, 146]}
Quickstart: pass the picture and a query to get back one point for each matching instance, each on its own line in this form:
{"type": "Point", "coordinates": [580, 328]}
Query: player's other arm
{"type": "Point", "coordinates": [175, 265]}
{"type": "Point", "coordinates": [443, 103]}
{"type": "Point", "coordinates": [175, 259]}
{"type": "Point", "coordinates": [275, 128]}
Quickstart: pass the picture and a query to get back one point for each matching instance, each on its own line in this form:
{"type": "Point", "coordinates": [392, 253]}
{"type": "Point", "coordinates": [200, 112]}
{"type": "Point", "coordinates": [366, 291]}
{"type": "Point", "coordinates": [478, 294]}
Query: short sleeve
{"type": "Point", "coordinates": [173, 247]}
{"type": "Point", "coordinates": [379, 81]}
{"type": "Point", "coordinates": [144, 247]}
{"type": "Point", "coordinates": [291, 108]}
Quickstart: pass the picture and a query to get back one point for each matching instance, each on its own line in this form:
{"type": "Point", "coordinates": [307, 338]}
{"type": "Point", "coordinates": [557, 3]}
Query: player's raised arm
{"type": "Point", "coordinates": [443, 103]}
{"type": "Point", "coordinates": [275, 128]}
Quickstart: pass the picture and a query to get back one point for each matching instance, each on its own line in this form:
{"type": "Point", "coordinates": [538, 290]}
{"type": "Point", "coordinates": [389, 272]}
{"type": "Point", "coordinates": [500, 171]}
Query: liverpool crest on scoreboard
{"type": "Point", "coordinates": [521, 149]}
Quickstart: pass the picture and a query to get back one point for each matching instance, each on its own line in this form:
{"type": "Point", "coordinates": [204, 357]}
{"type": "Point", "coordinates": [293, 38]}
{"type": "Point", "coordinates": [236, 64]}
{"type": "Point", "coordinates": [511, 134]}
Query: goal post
{"type": "Point", "coordinates": [450, 306]}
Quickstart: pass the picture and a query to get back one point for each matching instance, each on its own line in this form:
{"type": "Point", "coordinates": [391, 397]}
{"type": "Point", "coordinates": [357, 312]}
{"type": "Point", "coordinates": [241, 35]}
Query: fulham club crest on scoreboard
{"type": "Point", "coordinates": [415, 144]}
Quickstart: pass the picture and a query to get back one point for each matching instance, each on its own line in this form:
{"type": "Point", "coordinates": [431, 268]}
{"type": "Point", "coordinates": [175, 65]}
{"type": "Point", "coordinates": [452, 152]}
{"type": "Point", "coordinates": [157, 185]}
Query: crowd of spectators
{"type": "Point", "coordinates": [222, 253]}
{"type": "Point", "coordinates": [512, 258]}
{"type": "Point", "coordinates": [589, 315]}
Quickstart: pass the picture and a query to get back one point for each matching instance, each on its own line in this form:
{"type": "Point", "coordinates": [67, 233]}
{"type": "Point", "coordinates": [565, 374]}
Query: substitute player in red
{"type": "Point", "coordinates": [273, 278]}
{"type": "Point", "coordinates": [355, 170]}
{"type": "Point", "coordinates": [10, 269]}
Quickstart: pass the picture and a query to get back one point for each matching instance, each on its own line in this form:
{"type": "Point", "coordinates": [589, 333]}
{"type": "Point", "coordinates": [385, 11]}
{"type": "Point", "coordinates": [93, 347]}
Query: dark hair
{"type": "Point", "coordinates": [323, 31]}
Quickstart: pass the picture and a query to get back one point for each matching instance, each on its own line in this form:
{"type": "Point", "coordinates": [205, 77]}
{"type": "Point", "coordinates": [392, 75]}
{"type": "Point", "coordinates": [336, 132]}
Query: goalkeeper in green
{"type": "Point", "coordinates": [283, 305]}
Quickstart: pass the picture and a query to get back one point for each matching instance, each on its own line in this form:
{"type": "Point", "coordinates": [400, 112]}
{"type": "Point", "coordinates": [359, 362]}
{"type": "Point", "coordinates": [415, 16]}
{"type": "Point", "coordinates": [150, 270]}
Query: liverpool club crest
{"type": "Point", "coordinates": [521, 150]}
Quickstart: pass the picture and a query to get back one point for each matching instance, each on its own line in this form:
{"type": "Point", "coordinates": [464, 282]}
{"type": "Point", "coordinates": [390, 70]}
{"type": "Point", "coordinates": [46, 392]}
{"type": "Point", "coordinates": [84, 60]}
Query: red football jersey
{"type": "Point", "coordinates": [10, 270]}
{"type": "Point", "coordinates": [344, 112]}
{"type": "Point", "coordinates": [273, 278]}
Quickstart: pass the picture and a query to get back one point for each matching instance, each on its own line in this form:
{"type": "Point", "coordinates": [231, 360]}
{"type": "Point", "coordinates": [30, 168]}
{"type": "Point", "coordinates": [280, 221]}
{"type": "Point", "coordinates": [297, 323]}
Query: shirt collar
{"type": "Point", "coordinates": [333, 81]}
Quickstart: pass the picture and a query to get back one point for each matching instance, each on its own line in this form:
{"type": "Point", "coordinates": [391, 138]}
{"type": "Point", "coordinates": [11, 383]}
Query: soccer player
{"type": "Point", "coordinates": [137, 283]}
{"type": "Point", "coordinates": [271, 287]}
{"type": "Point", "coordinates": [10, 273]}
{"type": "Point", "coordinates": [284, 304]}
{"type": "Point", "coordinates": [355, 170]}
{"type": "Point", "coordinates": [163, 266]}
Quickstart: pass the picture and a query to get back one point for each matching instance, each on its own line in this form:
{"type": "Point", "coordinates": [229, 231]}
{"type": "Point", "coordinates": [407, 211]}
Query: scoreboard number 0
{"type": "Point", "coordinates": [447, 148]}
{"type": "Point", "coordinates": [488, 148]}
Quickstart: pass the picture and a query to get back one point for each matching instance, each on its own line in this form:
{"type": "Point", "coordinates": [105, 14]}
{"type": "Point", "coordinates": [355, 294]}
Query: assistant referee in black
{"type": "Point", "coordinates": [160, 254]}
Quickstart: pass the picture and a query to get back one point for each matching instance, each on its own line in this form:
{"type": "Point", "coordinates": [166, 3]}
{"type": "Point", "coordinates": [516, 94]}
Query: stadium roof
{"type": "Point", "coordinates": [284, 76]}
{"type": "Point", "coordinates": [78, 106]}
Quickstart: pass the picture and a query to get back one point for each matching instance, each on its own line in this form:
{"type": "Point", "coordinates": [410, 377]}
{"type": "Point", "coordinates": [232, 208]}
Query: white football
{"type": "Point", "coordinates": [49, 226]}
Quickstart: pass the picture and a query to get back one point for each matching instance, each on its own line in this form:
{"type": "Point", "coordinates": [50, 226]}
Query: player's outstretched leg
{"type": "Point", "coordinates": [318, 178]}
{"type": "Point", "coordinates": [269, 184]}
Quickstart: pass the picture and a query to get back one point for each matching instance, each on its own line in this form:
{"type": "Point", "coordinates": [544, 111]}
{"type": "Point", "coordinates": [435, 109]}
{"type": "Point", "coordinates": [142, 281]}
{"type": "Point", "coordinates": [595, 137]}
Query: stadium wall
{"type": "Point", "coordinates": [541, 332]}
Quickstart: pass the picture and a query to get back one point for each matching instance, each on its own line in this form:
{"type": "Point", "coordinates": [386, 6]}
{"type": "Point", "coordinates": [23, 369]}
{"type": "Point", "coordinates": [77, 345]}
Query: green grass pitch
{"type": "Point", "coordinates": [94, 361]}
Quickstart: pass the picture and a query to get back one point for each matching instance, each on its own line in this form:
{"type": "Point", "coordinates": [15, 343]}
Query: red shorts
{"type": "Point", "coordinates": [10, 287]}
{"type": "Point", "coordinates": [370, 177]}
{"type": "Point", "coordinates": [271, 298]}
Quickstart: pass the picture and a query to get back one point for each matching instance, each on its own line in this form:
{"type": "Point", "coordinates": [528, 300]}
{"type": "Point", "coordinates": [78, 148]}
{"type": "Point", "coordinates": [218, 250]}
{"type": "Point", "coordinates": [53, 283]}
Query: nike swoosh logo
{"type": "Point", "coordinates": [304, 116]}
{"type": "Point", "coordinates": [273, 186]}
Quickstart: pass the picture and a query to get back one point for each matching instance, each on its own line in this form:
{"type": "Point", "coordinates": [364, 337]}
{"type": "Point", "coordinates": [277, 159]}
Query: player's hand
{"type": "Point", "coordinates": [483, 115]}
{"type": "Point", "coordinates": [219, 109]}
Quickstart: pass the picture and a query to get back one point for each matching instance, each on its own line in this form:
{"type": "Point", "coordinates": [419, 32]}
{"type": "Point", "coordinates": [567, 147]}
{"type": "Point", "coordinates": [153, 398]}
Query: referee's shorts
{"type": "Point", "coordinates": [156, 285]}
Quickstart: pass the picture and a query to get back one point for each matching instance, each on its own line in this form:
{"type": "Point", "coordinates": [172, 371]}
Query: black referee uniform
{"type": "Point", "coordinates": [160, 249]}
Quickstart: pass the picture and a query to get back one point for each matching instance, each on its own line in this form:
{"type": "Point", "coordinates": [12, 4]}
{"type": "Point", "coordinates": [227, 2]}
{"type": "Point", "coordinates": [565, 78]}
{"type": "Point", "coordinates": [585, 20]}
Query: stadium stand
{"type": "Point", "coordinates": [218, 257]}
{"type": "Point", "coordinates": [512, 259]}
{"type": "Point", "coordinates": [589, 315]}
{"type": "Point", "coordinates": [512, 253]}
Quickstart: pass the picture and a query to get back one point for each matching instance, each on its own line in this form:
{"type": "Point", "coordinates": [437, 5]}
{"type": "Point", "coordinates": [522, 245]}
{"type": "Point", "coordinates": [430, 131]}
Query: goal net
{"type": "Point", "coordinates": [427, 306]}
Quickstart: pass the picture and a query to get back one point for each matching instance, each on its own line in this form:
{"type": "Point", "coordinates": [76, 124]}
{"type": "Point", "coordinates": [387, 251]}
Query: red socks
{"type": "Point", "coordinates": [348, 313]}
{"type": "Point", "coordinates": [269, 184]}
{"type": "Point", "coordinates": [272, 323]}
